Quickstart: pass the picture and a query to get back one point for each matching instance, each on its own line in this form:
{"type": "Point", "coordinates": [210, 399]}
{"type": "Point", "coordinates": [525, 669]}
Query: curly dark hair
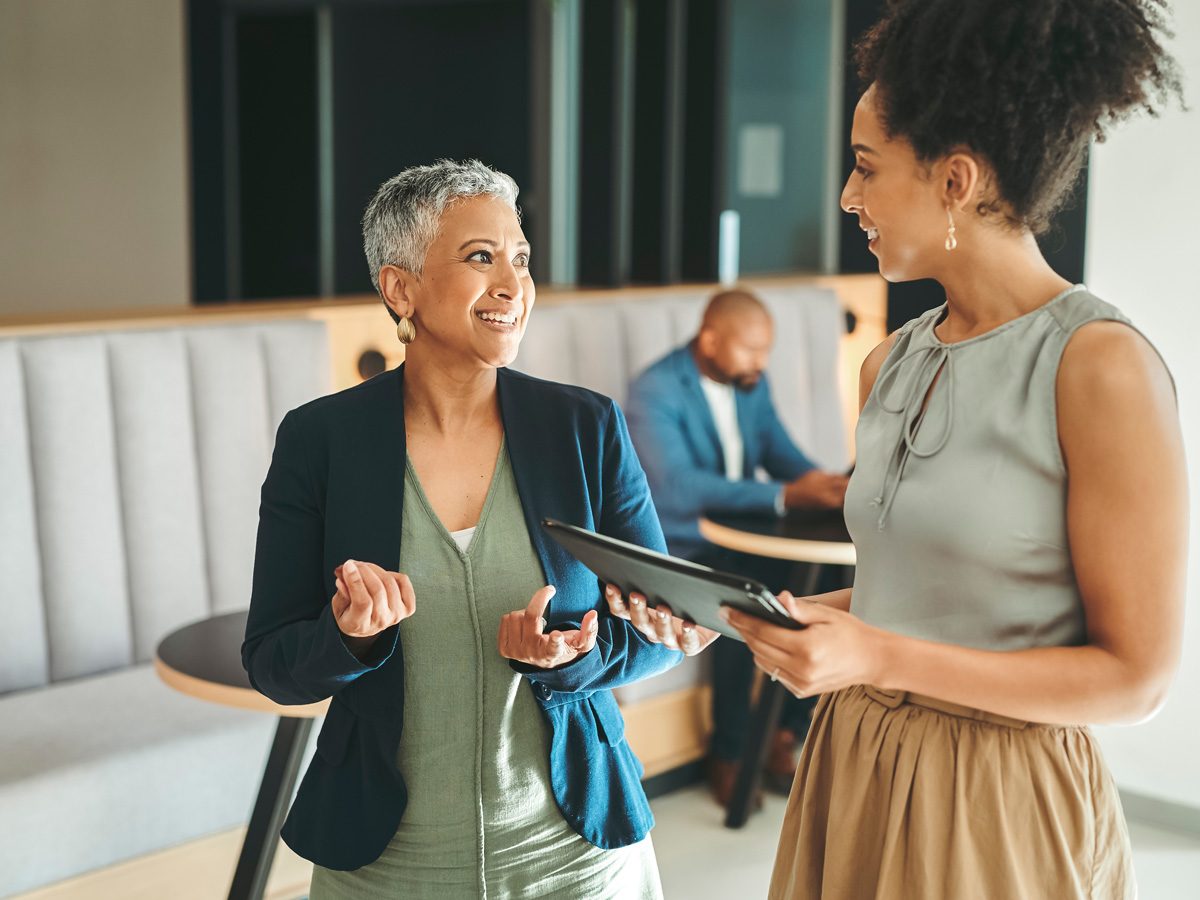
{"type": "Point", "coordinates": [1027, 84]}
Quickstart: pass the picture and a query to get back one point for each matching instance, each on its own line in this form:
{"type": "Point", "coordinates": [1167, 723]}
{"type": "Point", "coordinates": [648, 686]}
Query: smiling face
{"type": "Point", "coordinates": [472, 300]}
{"type": "Point", "coordinates": [900, 201]}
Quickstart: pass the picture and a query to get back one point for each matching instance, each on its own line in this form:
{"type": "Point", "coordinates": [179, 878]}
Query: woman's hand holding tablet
{"type": "Point", "coordinates": [658, 593]}
{"type": "Point", "coordinates": [658, 625]}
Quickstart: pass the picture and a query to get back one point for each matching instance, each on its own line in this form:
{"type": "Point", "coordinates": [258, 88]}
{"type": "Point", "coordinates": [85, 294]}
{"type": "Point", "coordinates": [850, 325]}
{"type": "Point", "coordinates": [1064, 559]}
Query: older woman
{"type": "Point", "coordinates": [473, 746]}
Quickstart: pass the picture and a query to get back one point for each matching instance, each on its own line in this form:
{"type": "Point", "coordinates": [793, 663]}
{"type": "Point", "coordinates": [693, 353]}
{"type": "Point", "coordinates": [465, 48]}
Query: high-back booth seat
{"type": "Point", "coordinates": [130, 467]}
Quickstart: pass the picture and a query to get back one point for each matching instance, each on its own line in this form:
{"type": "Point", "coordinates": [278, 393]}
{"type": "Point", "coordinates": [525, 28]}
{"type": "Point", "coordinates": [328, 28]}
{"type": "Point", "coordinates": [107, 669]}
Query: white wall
{"type": "Point", "coordinates": [93, 157]}
{"type": "Point", "coordinates": [1141, 255]}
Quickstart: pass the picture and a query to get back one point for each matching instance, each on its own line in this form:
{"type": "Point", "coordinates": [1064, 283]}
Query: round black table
{"type": "Point", "coordinates": [816, 538]}
{"type": "Point", "coordinates": [204, 660]}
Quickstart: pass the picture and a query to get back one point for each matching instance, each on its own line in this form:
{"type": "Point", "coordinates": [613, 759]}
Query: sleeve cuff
{"type": "Point", "coordinates": [566, 679]}
{"type": "Point", "coordinates": [376, 656]}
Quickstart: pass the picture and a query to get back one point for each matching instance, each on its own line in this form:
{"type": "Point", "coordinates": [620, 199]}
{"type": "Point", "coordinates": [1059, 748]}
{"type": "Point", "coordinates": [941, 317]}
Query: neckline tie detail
{"type": "Point", "coordinates": [930, 360]}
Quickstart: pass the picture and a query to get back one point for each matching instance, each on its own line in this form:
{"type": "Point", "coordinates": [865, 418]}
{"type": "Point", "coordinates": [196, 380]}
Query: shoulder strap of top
{"type": "Point", "coordinates": [1082, 307]}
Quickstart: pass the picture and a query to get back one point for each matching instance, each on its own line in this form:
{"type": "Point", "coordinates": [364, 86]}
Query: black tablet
{"type": "Point", "coordinates": [692, 591]}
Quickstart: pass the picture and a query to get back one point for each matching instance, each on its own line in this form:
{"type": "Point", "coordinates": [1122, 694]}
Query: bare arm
{"type": "Point", "coordinates": [1127, 526]}
{"type": "Point", "coordinates": [866, 381]}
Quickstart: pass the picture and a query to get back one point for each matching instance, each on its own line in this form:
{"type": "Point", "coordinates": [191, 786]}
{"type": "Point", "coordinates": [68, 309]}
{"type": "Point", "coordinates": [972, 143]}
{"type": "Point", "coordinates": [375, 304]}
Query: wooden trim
{"type": "Point", "coordinates": [227, 695]}
{"type": "Point", "coordinates": [669, 730]}
{"type": "Point", "coordinates": [200, 869]}
{"type": "Point", "coordinates": [830, 553]}
{"type": "Point", "coordinates": [863, 290]}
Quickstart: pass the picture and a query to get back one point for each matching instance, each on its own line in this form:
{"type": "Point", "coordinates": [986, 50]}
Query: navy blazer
{"type": "Point", "coordinates": [335, 491]}
{"type": "Point", "coordinates": [676, 438]}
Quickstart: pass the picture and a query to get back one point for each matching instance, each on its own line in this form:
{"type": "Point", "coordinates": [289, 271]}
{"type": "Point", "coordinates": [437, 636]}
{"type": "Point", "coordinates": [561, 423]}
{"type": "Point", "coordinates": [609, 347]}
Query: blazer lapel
{"type": "Point", "coordinates": [536, 471]}
{"type": "Point", "coordinates": [365, 505]}
{"type": "Point", "coordinates": [376, 479]}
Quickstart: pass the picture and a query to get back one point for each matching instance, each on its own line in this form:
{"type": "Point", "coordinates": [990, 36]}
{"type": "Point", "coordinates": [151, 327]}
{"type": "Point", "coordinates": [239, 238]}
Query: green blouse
{"type": "Point", "coordinates": [481, 818]}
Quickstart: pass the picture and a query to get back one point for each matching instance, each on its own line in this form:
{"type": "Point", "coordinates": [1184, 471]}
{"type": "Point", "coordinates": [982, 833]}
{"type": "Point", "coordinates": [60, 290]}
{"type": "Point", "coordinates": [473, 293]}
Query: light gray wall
{"type": "Point", "coordinates": [780, 54]}
{"type": "Point", "coordinates": [1144, 186]}
{"type": "Point", "coordinates": [93, 155]}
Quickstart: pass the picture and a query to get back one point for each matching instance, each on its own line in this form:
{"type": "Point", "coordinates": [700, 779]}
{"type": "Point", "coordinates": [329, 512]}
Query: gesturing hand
{"type": "Point", "coordinates": [370, 599]}
{"type": "Point", "coordinates": [835, 651]}
{"type": "Point", "coordinates": [658, 625]}
{"type": "Point", "coordinates": [522, 635]}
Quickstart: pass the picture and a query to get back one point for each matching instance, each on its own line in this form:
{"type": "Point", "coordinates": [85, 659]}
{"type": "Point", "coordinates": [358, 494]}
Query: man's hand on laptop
{"type": "Point", "coordinates": [816, 490]}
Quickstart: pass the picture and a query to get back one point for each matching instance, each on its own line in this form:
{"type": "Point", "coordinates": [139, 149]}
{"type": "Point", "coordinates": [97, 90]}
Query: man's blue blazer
{"type": "Point", "coordinates": [335, 492]}
{"type": "Point", "coordinates": [676, 438]}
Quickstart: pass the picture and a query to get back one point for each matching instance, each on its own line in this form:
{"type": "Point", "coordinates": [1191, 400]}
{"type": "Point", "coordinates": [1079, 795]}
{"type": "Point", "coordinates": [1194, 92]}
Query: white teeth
{"type": "Point", "coordinates": [872, 234]}
{"type": "Point", "coordinates": [499, 318]}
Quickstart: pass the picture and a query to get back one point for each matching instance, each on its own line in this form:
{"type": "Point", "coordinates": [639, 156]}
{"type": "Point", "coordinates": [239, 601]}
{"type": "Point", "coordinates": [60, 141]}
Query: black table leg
{"type": "Point", "coordinates": [274, 793]}
{"type": "Point", "coordinates": [763, 723]}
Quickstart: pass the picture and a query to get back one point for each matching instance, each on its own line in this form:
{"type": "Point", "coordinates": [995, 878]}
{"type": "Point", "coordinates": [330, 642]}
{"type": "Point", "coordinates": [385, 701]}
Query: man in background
{"type": "Point", "coordinates": [704, 425]}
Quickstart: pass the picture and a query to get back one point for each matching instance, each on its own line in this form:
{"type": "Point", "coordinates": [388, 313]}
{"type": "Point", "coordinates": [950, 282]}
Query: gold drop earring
{"type": "Point", "coordinates": [406, 331]}
{"type": "Point", "coordinates": [951, 240]}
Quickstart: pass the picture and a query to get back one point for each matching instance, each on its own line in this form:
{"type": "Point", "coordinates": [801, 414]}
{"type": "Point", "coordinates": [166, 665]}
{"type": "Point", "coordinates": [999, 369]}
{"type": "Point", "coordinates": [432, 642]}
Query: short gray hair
{"type": "Point", "coordinates": [403, 217]}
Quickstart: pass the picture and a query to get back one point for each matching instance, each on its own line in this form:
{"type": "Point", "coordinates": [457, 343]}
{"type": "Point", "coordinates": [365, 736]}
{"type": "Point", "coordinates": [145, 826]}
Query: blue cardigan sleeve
{"type": "Point", "coordinates": [621, 655]}
{"type": "Point", "coordinates": [293, 651]}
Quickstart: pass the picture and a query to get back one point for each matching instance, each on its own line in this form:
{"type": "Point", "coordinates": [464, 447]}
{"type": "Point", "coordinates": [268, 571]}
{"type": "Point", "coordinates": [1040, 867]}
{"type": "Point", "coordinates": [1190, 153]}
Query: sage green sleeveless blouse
{"type": "Point", "coordinates": [481, 819]}
{"type": "Point", "coordinates": [959, 514]}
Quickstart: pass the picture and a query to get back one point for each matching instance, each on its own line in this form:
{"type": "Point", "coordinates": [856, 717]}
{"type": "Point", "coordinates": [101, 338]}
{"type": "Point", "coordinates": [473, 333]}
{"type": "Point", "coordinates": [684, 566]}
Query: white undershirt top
{"type": "Point", "coordinates": [722, 402]}
{"type": "Point", "coordinates": [463, 538]}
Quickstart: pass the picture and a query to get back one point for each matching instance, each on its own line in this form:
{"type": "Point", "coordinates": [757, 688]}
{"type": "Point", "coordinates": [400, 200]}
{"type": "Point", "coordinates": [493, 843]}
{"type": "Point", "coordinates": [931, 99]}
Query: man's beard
{"type": "Point", "coordinates": [747, 383]}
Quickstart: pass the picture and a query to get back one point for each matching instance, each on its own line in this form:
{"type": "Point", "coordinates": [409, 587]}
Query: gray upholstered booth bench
{"type": "Point", "coordinates": [130, 465]}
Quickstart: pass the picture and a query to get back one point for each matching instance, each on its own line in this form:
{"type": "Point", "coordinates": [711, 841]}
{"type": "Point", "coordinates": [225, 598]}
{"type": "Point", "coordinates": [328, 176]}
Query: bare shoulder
{"type": "Point", "coordinates": [1111, 380]}
{"type": "Point", "coordinates": [871, 366]}
{"type": "Point", "coordinates": [1111, 361]}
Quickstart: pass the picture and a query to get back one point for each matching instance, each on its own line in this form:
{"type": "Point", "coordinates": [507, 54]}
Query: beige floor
{"type": "Point", "coordinates": [701, 859]}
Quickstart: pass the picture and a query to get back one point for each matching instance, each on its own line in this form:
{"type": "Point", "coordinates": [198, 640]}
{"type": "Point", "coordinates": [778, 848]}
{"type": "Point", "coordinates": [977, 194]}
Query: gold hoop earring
{"type": "Point", "coordinates": [406, 331]}
{"type": "Point", "coordinates": [951, 240]}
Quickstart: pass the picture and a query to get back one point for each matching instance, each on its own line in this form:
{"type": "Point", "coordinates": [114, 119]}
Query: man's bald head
{"type": "Point", "coordinates": [732, 308]}
{"type": "Point", "coordinates": [735, 339]}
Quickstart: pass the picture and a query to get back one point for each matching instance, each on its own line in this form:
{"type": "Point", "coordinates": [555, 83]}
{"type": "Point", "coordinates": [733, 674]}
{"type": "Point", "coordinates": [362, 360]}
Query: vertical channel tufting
{"type": "Point", "coordinates": [685, 319]}
{"type": "Point", "coordinates": [648, 332]}
{"type": "Point", "coordinates": [78, 507]}
{"type": "Point", "coordinates": [24, 655]}
{"type": "Point", "coordinates": [600, 351]}
{"type": "Point", "coordinates": [790, 367]}
{"type": "Point", "coordinates": [156, 458]}
{"type": "Point", "coordinates": [297, 365]}
{"type": "Point", "coordinates": [260, 341]}
{"type": "Point", "coordinates": [825, 323]}
{"type": "Point", "coordinates": [233, 450]}
{"type": "Point", "coordinates": [546, 350]}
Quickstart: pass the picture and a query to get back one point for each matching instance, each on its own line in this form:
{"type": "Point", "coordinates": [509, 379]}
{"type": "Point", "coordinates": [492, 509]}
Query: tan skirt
{"type": "Point", "coordinates": [899, 797]}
